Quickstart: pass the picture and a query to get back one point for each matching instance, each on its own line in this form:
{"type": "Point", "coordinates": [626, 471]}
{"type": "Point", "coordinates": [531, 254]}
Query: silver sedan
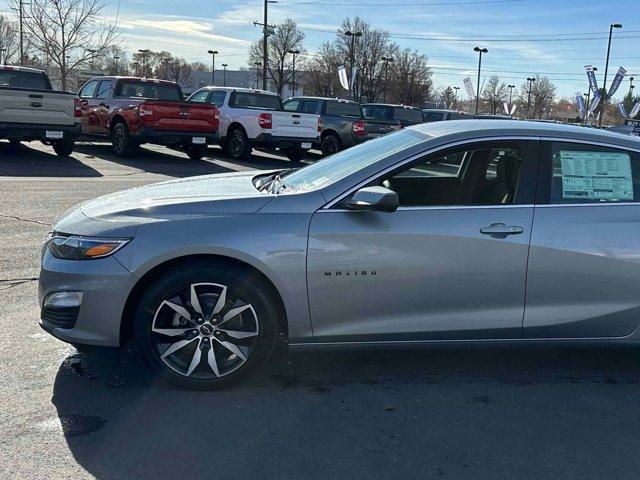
{"type": "Point", "coordinates": [448, 231]}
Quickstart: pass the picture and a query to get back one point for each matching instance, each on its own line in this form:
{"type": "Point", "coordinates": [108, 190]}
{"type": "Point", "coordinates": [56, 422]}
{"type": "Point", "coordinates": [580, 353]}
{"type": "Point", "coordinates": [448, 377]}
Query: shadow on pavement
{"type": "Point", "coordinates": [22, 161]}
{"type": "Point", "coordinates": [478, 412]}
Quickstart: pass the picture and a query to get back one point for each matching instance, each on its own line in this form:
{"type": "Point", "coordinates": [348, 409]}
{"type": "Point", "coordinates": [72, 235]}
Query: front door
{"type": "Point", "coordinates": [449, 264]}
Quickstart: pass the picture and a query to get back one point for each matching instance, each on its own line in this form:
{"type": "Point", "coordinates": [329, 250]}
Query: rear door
{"type": "Point", "coordinates": [450, 263]}
{"type": "Point", "coordinates": [584, 265]}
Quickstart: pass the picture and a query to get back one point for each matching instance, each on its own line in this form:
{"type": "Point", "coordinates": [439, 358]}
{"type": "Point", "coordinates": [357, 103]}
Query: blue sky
{"type": "Point", "coordinates": [189, 28]}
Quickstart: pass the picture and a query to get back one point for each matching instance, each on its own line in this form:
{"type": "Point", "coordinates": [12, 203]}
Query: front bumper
{"type": "Point", "coordinates": [267, 140]}
{"type": "Point", "coordinates": [27, 132]}
{"type": "Point", "coordinates": [104, 285]}
{"type": "Point", "coordinates": [148, 134]}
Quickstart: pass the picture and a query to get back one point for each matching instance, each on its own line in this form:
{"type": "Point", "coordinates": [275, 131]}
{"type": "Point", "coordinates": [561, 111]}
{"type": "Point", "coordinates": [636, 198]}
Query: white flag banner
{"type": "Point", "coordinates": [513, 109]}
{"type": "Point", "coordinates": [342, 75]}
{"type": "Point", "coordinates": [634, 111]}
{"type": "Point", "coordinates": [594, 104]}
{"type": "Point", "coordinates": [506, 108]}
{"type": "Point", "coordinates": [469, 86]}
{"type": "Point", "coordinates": [354, 74]}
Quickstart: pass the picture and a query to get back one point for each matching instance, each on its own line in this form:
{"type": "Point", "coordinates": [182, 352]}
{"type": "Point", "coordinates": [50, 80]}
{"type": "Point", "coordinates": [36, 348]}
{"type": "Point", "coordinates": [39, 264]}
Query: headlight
{"type": "Point", "coordinates": [83, 248]}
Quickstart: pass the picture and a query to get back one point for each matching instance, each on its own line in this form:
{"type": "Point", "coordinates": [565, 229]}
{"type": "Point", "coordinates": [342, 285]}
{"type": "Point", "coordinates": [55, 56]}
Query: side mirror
{"type": "Point", "coordinates": [374, 199]}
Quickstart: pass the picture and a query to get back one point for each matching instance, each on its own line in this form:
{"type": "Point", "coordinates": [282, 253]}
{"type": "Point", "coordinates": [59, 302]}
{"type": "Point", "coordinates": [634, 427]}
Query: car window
{"type": "Point", "coordinates": [291, 105]}
{"type": "Point", "coordinates": [487, 174]}
{"type": "Point", "coordinates": [149, 89]}
{"type": "Point", "coordinates": [199, 97]}
{"type": "Point", "coordinates": [309, 106]}
{"type": "Point", "coordinates": [258, 101]}
{"type": "Point", "coordinates": [433, 116]}
{"type": "Point", "coordinates": [349, 161]}
{"type": "Point", "coordinates": [217, 97]}
{"type": "Point", "coordinates": [343, 109]}
{"type": "Point", "coordinates": [22, 79]}
{"type": "Point", "coordinates": [89, 90]}
{"type": "Point", "coordinates": [593, 174]}
{"type": "Point", "coordinates": [105, 89]}
{"type": "Point", "coordinates": [407, 114]}
{"type": "Point", "coordinates": [378, 112]}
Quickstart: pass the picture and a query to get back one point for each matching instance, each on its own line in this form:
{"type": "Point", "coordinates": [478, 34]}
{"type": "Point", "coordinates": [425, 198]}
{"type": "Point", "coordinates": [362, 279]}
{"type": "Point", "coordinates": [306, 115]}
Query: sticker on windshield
{"type": "Point", "coordinates": [596, 175]}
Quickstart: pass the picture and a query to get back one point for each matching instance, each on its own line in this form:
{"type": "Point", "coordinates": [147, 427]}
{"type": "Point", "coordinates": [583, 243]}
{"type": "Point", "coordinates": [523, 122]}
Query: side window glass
{"type": "Point", "coordinates": [199, 97]}
{"type": "Point", "coordinates": [217, 97]}
{"type": "Point", "coordinates": [593, 174]}
{"type": "Point", "coordinates": [291, 105]}
{"type": "Point", "coordinates": [105, 90]}
{"type": "Point", "coordinates": [483, 175]}
{"type": "Point", "coordinates": [89, 89]}
{"type": "Point", "coordinates": [309, 107]}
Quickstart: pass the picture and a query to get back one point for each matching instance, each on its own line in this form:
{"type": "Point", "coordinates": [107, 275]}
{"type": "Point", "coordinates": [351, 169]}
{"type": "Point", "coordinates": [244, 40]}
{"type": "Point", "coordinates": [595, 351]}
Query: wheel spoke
{"type": "Point", "coordinates": [234, 312]}
{"type": "Point", "coordinates": [195, 360]}
{"type": "Point", "coordinates": [175, 347]}
{"type": "Point", "coordinates": [222, 300]}
{"type": "Point", "coordinates": [238, 334]}
{"type": "Point", "coordinates": [195, 302]}
{"type": "Point", "coordinates": [233, 349]}
{"type": "Point", "coordinates": [171, 332]}
{"type": "Point", "coordinates": [183, 312]}
{"type": "Point", "coordinates": [211, 359]}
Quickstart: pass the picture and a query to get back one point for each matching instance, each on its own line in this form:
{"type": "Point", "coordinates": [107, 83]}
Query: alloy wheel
{"type": "Point", "coordinates": [204, 331]}
{"type": "Point", "coordinates": [236, 143]}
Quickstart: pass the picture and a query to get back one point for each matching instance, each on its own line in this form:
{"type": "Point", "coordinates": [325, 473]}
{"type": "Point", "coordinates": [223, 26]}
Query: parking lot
{"type": "Point", "coordinates": [483, 411]}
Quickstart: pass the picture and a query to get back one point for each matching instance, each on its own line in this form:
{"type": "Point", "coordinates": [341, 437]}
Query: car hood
{"type": "Point", "coordinates": [222, 194]}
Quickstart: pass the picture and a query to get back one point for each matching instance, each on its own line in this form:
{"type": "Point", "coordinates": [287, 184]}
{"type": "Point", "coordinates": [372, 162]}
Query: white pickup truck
{"type": "Point", "coordinates": [255, 118]}
{"type": "Point", "coordinates": [31, 110]}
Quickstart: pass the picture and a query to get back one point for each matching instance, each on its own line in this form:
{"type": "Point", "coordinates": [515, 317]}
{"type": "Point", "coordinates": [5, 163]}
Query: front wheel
{"type": "Point", "coordinates": [205, 327]}
{"type": "Point", "coordinates": [64, 148]}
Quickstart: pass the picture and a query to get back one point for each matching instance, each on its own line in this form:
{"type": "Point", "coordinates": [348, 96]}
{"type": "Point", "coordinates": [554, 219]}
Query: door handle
{"type": "Point", "coordinates": [102, 104]}
{"type": "Point", "coordinates": [500, 230]}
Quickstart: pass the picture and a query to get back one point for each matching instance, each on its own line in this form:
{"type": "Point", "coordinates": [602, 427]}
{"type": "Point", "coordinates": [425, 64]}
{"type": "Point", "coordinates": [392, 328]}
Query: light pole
{"type": "Point", "coordinates": [480, 52]}
{"type": "Point", "coordinates": [456, 96]}
{"type": "Point", "coordinates": [165, 62]}
{"type": "Point", "coordinates": [144, 53]}
{"type": "Point", "coordinates": [293, 78]}
{"type": "Point", "coordinates": [3, 58]}
{"type": "Point", "coordinates": [224, 74]}
{"type": "Point", "coordinates": [606, 70]}
{"type": "Point", "coordinates": [511, 87]}
{"type": "Point", "coordinates": [266, 31]}
{"type": "Point", "coordinates": [352, 59]}
{"type": "Point", "coordinates": [386, 61]}
{"type": "Point", "coordinates": [213, 54]}
{"type": "Point", "coordinates": [258, 65]}
{"type": "Point", "coordinates": [530, 80]}
{"type": "Point", "coordinates": [631, 87]}
{"type": "Point", "coordinates": [116, 59]}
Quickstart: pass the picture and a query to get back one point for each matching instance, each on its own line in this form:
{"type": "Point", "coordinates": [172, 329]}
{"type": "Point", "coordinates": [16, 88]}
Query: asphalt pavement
{"type": "Point", "coordinates": [486, 411]}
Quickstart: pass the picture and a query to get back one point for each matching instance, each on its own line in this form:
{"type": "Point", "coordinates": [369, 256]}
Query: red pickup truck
{"type": "Point", "coordinates": [130, 111]}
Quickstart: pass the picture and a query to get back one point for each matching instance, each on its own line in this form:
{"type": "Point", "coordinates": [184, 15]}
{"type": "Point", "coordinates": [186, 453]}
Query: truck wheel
{"type": "Point", "coordinates": [330, 145]}
{"type": "Point", "coordinates": [123, 145]}
{"type": "Point", "coordinates": [237, 144]}
{"type": "Point", "coordinates": [195, 152]}
{"type": "Point", "coordinates": [296, 154]}
{"type": "Point", "coordinates": [64, 148]}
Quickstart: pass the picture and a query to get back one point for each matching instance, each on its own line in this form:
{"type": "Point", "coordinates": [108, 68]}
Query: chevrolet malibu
{"type": "Point", "coordinates": [449, 231]}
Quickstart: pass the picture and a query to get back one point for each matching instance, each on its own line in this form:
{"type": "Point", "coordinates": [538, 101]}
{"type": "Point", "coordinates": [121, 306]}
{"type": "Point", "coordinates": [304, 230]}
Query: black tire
{"type": "Point", "coordinates": [64, 148]}
{"type": "Point", "coordinates": [296, 154]}
{"type": "Point", "coordinates": [122, 143]}
{"type": "Point", "coordinates": [241, 284]}
{"type": "Point", "coordinates": [237, 144]}
{"type": "Point", "coordinates": [195, 152]}
{"type": "Point", "coordinates": [330, 144]}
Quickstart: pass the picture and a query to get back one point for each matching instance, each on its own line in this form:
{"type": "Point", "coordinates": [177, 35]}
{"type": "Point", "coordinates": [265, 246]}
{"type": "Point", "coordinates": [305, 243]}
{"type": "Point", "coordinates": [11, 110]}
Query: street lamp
{"type": "Point", "coordinates": [530, 80]}
{"type": "Point", "coordinates": [352, 60]}
{"type": "Point", "coordinates": [3, 58]}
{"type": "Point", "coordinates": [258, 66]}
{"type": "Point", "coordinates": [386, 61]}
{"type": "Point", "coordinates": [480, 52]}
{"type": "Point", "coordinates": [213, 54]}
{"type": "Point", "coordinates": [510, 87]}
{"type": "Point", "coordinates": [165, 62]}
{"type": "Point", "coordinates": [224, 73]}
{"type": "Point", "coordinates": [293, 79]}
{"type": "Point", "coordinates": [116, 59]}
{"type": "Point", "coordinates": [144, 53]}
{"type": "Point", "coordinates": [606, 70]}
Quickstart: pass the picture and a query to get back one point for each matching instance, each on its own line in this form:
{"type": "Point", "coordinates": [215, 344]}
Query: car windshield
{"type": "Point", "coordinates": [347, 162]}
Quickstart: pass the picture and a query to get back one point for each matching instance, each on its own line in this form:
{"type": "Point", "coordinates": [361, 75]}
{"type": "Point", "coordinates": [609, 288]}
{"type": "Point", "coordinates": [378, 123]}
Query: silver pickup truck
{"type": "Point", "coordinates": [31, 110]}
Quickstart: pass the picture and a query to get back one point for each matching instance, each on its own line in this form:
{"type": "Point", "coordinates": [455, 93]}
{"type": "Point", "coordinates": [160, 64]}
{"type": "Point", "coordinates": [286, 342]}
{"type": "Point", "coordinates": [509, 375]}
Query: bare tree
{"type": "Point", "coordinates": [68, 33]}
{"type": "Point", "coordinates": [9, 41]}
{"type": "Point", "coordinates": [114, 61]}
{"type": "Point", "coordinates": [495, 93]}
{"type": "Point", "coordinates": [321, 77]}
{"type": "Point", "coordinates": [287, 36]}
{"type": "Point", "coordinates": [200, 67]}
{"type": "Point", "coordinates": [448, 97]}
{"type": "Point", "coordinates": [150, 64]}
{"type": "Point", "coordinates": [179, 70]}
{"type": "Point", "coordinates": [412, 84]}
{"type": "Point", "coordinates": [542, 96]}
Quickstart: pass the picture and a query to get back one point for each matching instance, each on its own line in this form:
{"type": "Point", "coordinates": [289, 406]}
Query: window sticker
{"type": "Point", "coordinates": [596, 175]}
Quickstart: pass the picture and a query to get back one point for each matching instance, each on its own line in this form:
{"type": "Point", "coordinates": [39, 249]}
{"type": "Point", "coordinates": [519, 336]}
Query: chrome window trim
{"type": "Point", "coordinates": [429, 152]}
